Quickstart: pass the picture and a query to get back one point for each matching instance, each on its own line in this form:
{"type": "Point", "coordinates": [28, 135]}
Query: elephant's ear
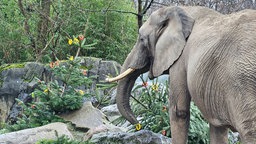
{"type": "Point", "coordinates": [173, 31]}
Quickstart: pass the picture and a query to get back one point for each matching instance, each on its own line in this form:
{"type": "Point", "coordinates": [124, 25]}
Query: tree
{"type": "Point", "coordinates": [142, 10]}
{"type": "Point", "coordinates": [38, 40]}
{"type": "Point", "coordinates": [39, 29]}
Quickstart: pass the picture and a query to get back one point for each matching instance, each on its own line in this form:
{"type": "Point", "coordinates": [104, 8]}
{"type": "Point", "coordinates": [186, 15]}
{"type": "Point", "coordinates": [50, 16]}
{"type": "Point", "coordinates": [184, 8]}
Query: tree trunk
{"type": "Point", "coordinates": [43, 28]}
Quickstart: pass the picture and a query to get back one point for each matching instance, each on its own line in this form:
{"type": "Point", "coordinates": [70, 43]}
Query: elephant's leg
{"type": "Point", "coordinates": [179, 125]}
{"type": "Point", "coordinates": [179, 107]}
{"type": "Point", "coordinates": [218, 135]}
{"type": "Point", "coordinates": [179, 119]}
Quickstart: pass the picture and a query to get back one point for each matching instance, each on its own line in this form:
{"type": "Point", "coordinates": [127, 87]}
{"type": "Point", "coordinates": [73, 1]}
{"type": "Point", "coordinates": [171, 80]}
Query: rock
{"type": "Point", "coordinates": [100, 68]}
{"type": "Point", "coordinates": [87, 117]}
{"type": "Point", "coordinates": [108, 68]}
{"type": "Point", "coordinates": [112, 97]}
{"type": "Point", "coordinates": [103, 128]}
{"type": "Point", "coordinates": [140, 137]}
{"type": "Point", "coordinates": [31, 136]}
{"type": "Point", "coordinates": [91, 119]}
{"type": "Point", "coordinates": [111, 112]}
{"type": "Point", "coordinates": [16, 84]}
{"type": "Point", "coordinates": [27, 86]}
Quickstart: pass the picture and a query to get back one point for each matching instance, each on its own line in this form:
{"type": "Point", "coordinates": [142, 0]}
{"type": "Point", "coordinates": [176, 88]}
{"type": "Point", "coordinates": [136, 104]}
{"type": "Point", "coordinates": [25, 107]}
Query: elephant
{"type": "Point", "coordinates": [210, 59]}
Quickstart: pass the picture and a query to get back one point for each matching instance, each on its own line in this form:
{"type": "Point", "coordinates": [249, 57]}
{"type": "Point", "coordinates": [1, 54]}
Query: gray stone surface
{"type": "Point", "coordinates": [31, 136]}
{"type": "Point", "coordinates": [90, 118]}
{"type": "Point", "coordinates": [140, 137]}
{"type": "Point", "coordinates": [111, 112]}
{"type": "Point", "coordinates": [17, 83]}
{"type": "Point", "coordinates": [86, 117]}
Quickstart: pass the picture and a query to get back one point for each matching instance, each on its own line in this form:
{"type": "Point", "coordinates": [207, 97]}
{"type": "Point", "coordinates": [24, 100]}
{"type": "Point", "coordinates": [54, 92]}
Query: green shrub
{"type": "Point", "coordinates": [34, 114]}
{"type": "Point", "coordinates": [63, 93]}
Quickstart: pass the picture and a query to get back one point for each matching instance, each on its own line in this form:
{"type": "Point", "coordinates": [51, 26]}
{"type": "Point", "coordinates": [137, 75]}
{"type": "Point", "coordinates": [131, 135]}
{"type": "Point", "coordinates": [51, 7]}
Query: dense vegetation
{"type": "Point", "coordinates": [36, 30]}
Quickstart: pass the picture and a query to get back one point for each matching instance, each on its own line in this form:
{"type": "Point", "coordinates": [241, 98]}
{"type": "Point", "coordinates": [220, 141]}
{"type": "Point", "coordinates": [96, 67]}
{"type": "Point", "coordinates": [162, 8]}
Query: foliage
{"type": "Point", "coordinates": [60, 94]}
{"type": "Point", "coordinates": [29, 33]}
{"type": "Point", "coordinates": [62, 140]}
{"type": "Point", "coordinates": [151, 105]}
{"type": "Point", "coordinates": [114, 32]}
{"type": "Point", "coordinates": [34, 115]}
{"type": "Point", "coordinates": [12, 36]}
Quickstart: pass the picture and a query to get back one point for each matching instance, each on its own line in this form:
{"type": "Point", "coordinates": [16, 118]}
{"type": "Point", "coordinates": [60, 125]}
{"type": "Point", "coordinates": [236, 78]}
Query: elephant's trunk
{"type": "Point", "coordinates": [123, 95]}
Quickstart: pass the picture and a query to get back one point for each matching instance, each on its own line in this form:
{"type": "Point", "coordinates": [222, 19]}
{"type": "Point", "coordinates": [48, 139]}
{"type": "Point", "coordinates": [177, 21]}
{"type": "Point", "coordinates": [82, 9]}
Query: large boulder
{"type": "Point", "coordinates": [87, 117]}
{"type": "Point", "coordinates": [31, 136]}
{"type": "Point", "coordinates": [111, 112]}
{"type": "Point", "coordinates": [140, 137]}
{"type": "Point", "coordinates": [91, 120]}
{"type": "Point", "coordinates": [16, 82]}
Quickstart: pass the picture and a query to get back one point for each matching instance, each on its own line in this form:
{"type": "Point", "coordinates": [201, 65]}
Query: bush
{"type": "Point", "coordinates": [62, 93]}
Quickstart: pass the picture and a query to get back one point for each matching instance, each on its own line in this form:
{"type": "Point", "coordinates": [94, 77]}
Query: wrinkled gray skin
{"type": "Point", "coordinates": [211, 59]}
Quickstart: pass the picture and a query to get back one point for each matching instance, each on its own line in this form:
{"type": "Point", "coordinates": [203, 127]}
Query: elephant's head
{"type": "Point", "coordinates": [160, 43]}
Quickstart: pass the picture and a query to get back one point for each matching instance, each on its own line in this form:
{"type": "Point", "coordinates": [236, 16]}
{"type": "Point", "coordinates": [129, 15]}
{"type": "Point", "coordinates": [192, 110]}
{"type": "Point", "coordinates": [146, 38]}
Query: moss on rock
{"type": "Point", "coordinates": [9, 66]}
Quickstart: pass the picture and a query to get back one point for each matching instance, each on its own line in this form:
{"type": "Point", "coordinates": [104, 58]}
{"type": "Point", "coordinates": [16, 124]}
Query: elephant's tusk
{"type": "Point", "coordinates": [122, 75]}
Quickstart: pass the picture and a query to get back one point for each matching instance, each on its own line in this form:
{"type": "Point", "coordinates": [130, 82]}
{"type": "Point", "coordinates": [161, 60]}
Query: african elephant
{"type": "Point", "coordinates": [211, 60]}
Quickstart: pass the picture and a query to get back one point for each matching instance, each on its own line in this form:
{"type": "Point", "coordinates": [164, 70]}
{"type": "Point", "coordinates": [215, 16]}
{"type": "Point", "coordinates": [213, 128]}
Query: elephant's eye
{"type": "Point", "coordinates": [143, 41]}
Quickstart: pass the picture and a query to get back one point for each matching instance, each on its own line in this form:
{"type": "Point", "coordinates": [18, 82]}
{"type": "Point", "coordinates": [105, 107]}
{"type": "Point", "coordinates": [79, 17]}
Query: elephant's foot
{"type": "Point", "coordinates": [218, 135]}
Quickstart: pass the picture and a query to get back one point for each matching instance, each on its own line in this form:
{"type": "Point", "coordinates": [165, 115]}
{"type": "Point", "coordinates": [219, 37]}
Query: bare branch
{"type": "Point", "coordinates": [41, 53]}
{"type": "Point", "coordinates": [149, 5]}
{"type": "Point", "coordinates": [111, 10]}
{"type": "Point", "coordinates": [26, 25]}
{"type": "Point", "coordinates": [145, 5]}
{"type": "Point", "coordinates": [158, 3]}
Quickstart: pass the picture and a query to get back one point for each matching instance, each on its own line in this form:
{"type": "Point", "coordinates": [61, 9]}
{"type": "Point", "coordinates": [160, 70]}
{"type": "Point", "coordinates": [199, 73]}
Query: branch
{"type": "Point", "coordinates": [146, 8]}
{"type": "Point", "coordinates": [145, 5]}
{"type": "Point", "coordinates": [139, 102]}
{"type": "Point", "coordinates": [51, 20]}
{"type": "Point", "coordinates": [41, 53]}
{"type": "Point", "coordinates": [160, 3]}
{"type": "Point", "coordinates": [26, 25]}
{"type": "Point", "coordinates": [111, 10]}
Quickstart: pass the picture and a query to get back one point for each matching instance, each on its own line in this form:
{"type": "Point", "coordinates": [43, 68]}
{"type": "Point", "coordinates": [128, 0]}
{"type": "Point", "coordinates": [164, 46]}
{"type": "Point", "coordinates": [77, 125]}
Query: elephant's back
{"type": "Point", "coordinates": [221, 65]}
